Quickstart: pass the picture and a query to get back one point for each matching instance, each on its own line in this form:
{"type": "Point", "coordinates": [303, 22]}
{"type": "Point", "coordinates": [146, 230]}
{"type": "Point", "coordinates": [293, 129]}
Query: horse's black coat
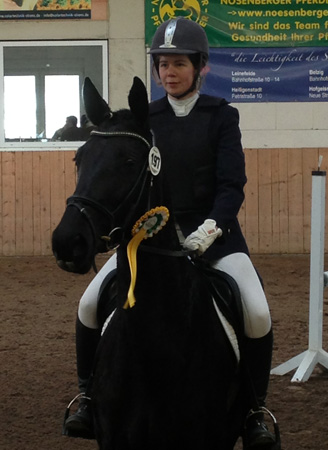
{"type": "Point", "coordinates": [165, 375]}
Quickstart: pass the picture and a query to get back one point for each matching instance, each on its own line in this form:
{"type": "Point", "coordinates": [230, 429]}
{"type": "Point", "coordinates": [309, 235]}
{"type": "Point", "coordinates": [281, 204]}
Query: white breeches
{"type": "Point", "coordinates": [257, 319]}
{"type": "Point", "coordinates": [238, 265]}
{"type": "Point", "coordinates": [87, 311]}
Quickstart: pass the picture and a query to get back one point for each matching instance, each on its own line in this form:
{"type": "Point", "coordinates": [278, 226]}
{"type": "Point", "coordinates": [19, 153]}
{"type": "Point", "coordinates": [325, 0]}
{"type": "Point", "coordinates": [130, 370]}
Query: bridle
{"type": "Point", "coordinates": [81, 202]}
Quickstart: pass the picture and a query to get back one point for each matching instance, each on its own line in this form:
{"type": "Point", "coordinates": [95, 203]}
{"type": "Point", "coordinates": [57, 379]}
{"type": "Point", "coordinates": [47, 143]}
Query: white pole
{"type": "Point", "coordinates": [317, 259]}
{"type": "Point", "coordinates": [307, 360]}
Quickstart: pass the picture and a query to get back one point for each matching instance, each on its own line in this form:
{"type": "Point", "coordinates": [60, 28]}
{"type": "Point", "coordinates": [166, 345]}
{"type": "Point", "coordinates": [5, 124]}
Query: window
{"type": "Point", "coordinates": [42, 84]}
{"type": "Point", "coordinates": [62, 99]}
{"type": "Point", "coordinates": [20, 122]}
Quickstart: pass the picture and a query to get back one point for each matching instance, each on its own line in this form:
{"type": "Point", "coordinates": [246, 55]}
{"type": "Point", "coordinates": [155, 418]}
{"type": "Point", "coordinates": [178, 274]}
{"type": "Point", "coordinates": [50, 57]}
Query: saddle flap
{"type": "Point", "coordinates": [226, 295]}
{"type": "Point", "coordinates": [107, 297]}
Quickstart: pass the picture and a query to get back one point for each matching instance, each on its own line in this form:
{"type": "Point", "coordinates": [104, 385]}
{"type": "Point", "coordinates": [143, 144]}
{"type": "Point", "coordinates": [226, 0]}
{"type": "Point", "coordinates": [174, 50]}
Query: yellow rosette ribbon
{"type": "Point", "coordinates": [148, 225]}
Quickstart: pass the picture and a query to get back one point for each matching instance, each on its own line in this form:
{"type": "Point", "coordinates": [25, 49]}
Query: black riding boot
{"type": "Point", "coordinates": [258, 354]}
{"type": "Point", "coordinates": [80, 424]}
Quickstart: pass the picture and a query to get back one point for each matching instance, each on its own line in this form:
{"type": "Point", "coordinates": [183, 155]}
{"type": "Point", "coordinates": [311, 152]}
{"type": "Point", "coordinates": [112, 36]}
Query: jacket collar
{"type": "Point", "coordinates": [204, 100]}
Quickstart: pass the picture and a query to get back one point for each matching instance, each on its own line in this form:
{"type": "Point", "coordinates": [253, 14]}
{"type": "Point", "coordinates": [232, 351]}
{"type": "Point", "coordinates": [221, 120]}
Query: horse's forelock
{"type": "Point", "coordinates": [124, 120]}
{"type": "Point", "coordinates": [120, 119]}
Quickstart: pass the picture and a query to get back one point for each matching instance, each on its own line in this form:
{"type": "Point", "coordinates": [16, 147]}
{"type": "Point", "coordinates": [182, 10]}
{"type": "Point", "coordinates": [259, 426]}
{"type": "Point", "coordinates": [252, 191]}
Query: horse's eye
{"type": "Point", "coordinates": [130, 162]}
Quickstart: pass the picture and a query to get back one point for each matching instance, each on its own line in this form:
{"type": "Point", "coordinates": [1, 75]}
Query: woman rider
{"type": "Point", "coordinates": [200, 143]}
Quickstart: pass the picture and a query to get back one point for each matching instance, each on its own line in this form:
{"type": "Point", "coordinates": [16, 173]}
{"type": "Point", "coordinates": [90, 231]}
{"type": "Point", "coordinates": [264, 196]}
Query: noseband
{"type": "Point", "coordinates": [81, 202]}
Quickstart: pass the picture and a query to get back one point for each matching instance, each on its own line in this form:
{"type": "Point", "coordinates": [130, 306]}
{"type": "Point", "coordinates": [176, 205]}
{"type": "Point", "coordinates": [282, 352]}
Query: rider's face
{"type": "Point", "coordinates": [177, 74]}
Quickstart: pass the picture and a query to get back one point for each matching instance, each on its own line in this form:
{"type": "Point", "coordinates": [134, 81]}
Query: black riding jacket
{"type": "Point", "coordinates": [204, 163]}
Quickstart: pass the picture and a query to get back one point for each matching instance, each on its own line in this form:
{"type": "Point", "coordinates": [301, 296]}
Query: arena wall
{"type": "Point", "coordinates": [282, 144]}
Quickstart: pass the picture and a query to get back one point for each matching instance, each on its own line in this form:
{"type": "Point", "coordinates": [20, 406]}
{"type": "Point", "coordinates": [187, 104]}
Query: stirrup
{"type": "Point", "coordinates": [87, 434]}
{"type": "Point", "coordinates": [276, 445]}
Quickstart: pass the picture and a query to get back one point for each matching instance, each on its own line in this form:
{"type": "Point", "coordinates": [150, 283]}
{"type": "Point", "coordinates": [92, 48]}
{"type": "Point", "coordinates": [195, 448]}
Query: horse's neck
{"type": "Point", "coordinates": [158, 258]}
{"type": "Point", "coordinates": [156, 255]}
{"type": "Point", "coordinates": [158, 195]}
{"type": "Point", "coordinates": [166, 238]}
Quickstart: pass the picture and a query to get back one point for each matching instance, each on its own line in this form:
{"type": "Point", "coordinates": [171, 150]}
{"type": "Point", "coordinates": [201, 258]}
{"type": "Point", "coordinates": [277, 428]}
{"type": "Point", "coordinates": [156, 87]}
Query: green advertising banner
{"type": "Point", "coordinates": [247, 23]}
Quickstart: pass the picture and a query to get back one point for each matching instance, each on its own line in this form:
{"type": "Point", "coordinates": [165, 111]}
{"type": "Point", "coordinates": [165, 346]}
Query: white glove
{"type": "Point", "coordinates": [203, 237]}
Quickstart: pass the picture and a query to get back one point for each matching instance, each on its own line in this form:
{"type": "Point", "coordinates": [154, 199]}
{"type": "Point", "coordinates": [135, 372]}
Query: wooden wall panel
{"type": "Point", "coordinates": [251, 201]}
{"type": "Point", "coordinates": [265, 201]}
{"type": "Point", "coordinates": [295, 203]}
{"type": "Point", "coordinates": [34, 187]}
{"type": "Point", "coordinates": [18, 213]}
{"type": "Point", "coordinates": [8, 204]}
{"type": "Point", "coordinates": [275, 217]}
{"type": "Point", "coordinates": [45, 207]}
{"type": "Point", "coordinates": [310, 161]}
{"type": "Point", "coordinates": [70, 173]}
{"type": "Point", "coordinates": [36, 196]}
{"type": "Point", "coordinates": [283, 201]}
{"type": "Point", "coordinates": [57, 187]}
{"type": "Point", "coordinates": [28, 205]}
{"type": "Point", "coordinates": [275, 199]}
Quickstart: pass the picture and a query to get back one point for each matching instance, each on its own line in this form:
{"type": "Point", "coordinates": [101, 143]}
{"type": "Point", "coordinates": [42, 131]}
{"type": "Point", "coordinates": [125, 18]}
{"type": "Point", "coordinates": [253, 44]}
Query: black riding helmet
{"type": "Point", "coordinates": [183, 37]}
{"type": "Point", "coordinates": [180, 36]}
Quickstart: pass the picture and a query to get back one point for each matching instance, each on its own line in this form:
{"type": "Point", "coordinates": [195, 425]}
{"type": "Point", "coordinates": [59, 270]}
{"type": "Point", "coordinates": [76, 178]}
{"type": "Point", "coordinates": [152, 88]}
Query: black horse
{"type": "Point", "coordinates": [166, 375]}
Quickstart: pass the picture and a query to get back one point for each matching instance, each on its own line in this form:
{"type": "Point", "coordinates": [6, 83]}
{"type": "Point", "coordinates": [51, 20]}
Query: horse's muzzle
{"type": "Point", "coordinates": [68, 266]}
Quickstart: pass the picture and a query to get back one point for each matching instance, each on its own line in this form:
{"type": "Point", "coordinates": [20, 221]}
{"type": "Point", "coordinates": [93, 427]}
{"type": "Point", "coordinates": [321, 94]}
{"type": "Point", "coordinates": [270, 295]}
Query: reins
{"type": "Point", "coordinates": [165, 252]}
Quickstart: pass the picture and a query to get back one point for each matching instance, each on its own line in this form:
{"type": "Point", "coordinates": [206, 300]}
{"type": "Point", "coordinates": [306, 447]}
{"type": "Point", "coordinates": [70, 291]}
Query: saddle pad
{"type": "Point", "coordinates": [106, 323]}
{"type": "Point", "coordinates": [229, 330]}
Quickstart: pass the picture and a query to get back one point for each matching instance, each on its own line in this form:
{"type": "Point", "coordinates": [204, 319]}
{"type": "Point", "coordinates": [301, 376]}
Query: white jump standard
{"type": "Point", "coordinates": [306, 361]}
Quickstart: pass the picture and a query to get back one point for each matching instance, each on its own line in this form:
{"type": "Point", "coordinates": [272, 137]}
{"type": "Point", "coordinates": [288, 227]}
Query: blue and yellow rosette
{"type": "Point", "coordinates": [147, 226]}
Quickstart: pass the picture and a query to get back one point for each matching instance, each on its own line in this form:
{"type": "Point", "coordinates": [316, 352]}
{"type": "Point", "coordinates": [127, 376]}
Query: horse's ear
{"type": "Point", "coordinates": [96, 108]}
{"type": "Point", "coordinates": [138, 102]}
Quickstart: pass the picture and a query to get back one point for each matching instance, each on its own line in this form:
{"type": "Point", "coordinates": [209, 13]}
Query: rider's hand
{"type": "Point", "coordinates": [203, 237]}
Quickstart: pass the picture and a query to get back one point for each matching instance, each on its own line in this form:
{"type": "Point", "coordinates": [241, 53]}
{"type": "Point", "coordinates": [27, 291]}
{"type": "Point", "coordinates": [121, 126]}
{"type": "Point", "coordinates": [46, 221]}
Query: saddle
{"type": "Point", "coordinates": [107, 297]}
{"type": "Point", "coordinates": [225, 293]}
{"type": "Point", "coordinates": [222, 287]}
